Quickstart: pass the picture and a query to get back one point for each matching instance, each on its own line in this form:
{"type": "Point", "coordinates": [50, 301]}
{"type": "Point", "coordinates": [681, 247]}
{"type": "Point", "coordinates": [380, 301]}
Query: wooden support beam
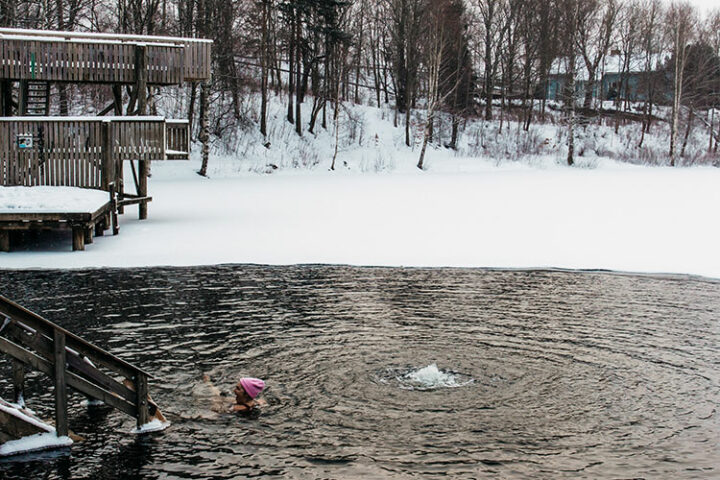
{"type": "Point", "coordinates": [6, 100]}
{"type": "Point", "coordinates": [22, 98]}
{"type": "Point", "coordinates": [141, 387]}
{"type": "Point", "coordinates": [61, 420]}
{"type": "Point", "coordinates": [114, 210]}
{"type": "Point", "coordinates": [18, 381]}
{"type": "Point", "coordinates": [108, 166]}
{"type": "Point", "coordinates": [78, 236]}
{"type": "Point", "coordinates": [141, 76]}
{"type": "Point", "coordinates": [4, 240]}
{"type": "Point", "coordinates": [106, 110]}
{"type": "Point", "coordinates": [141, 89]}
{"type": "Point", "coordinates": [117, 99]}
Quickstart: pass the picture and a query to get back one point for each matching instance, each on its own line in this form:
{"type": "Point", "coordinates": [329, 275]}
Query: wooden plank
{"type": "Point", "coordinates": [18, 374]}
{"type": "Point", "coordinates": [141, 385]}
{"type": "Point", "coordinates": [4, 240]}
{"type": "Point", "coordinates": [61, 420]}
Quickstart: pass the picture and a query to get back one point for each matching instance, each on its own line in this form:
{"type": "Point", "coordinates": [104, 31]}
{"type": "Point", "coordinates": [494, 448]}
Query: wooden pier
{"type": "Point", "coordinates": [91, 152]}
{"type": "Point", "coordinates": [34, 343]}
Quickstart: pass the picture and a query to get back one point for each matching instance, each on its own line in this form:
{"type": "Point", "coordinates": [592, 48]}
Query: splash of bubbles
{"type": "Point", "coordinates": [431, 378]}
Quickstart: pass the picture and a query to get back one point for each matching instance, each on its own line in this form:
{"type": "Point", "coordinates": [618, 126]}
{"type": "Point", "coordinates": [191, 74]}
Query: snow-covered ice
{"type": "Point", "coordinates": [463, 213]}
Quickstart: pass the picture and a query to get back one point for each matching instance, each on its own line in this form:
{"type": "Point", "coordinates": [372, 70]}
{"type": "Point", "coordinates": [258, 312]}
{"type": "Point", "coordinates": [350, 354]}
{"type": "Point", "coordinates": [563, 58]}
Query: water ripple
{"type": "Point", "coordinates": [393, 373]}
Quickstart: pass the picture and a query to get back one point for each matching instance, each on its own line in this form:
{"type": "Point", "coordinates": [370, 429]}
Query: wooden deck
{"type": "Point", "coordinates": [86, 152]}
{"type": "Point", "coordinates": [83, 224]}
{"type": "Point", "coordinates": [36, 55]}
{"type": "Point", "coordinates": [90, 152]}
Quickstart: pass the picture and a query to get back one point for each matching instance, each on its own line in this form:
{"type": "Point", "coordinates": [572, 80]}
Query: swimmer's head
{"type": "Point", "coordinates": [251, 386]}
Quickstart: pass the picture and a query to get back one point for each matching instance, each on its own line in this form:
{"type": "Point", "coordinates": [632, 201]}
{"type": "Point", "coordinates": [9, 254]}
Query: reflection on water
{"type": "Point", "coordinates": [554, 374]}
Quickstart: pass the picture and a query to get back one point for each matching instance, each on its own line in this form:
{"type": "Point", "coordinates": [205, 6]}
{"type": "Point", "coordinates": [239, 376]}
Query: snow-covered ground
{"type": "Point", "coordinates": [376, 208]}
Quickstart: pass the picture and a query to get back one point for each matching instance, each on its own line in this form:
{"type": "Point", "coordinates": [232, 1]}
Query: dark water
{"type": "Point", "coordinates": [557, 375]}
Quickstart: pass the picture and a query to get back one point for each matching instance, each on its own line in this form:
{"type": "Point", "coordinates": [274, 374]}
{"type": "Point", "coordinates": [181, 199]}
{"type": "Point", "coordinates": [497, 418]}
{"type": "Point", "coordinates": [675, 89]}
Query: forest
{"type": "Point", "coordinates": [614, 61]}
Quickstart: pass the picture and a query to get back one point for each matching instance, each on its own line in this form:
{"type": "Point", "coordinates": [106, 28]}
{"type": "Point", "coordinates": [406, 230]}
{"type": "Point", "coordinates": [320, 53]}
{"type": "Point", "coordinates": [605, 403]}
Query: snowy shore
{"type": "Point", "coordinates": [462, 213]}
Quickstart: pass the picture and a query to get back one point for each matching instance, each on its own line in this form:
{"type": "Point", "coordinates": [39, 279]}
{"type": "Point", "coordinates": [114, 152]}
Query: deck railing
{"type": "Point", "coordinates": [178, 140]}
{"type": "Point", "coordinates": [100, 58]}
{"type": "Point", "coordinates": [81, 151]}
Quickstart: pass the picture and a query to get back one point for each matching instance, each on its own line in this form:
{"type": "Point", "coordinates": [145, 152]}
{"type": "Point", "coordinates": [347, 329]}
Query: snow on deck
{"type": "Point", "coordinates": [51, 200]}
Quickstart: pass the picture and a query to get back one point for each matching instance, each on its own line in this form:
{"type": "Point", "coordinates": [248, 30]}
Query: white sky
{"type": "Point", "coordinates": [705, 5]}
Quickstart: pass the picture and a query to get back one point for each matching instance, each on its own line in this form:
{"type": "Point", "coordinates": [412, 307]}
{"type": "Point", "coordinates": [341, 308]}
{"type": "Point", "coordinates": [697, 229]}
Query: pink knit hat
{"type": "Point", "coordinates": [252, 386]}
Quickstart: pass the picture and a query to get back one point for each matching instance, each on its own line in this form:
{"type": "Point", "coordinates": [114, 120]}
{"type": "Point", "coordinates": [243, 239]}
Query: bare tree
{"type": "Point", "coordinates": [680, 20]}
{"type": "Point", "coordinates": [595, 23]}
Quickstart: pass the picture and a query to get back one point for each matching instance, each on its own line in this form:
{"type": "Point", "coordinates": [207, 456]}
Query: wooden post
{"type": "Point", "coordinates": [141, 76]}
{"type": "Point", "coordinates": [6, 98]}
{"type": "Point", "coordinates": [22, 98]}
{"type": "Point", "coordinates": [61, 425]}
{"type": "Point", "coordinates": [78, 237]}
{"type": "Point", "coordinates": [117, 99]}
{"type": "Point", "coordinates": [18, 382]}
{"type": "Point", "coordinates": [108, 172]}
{"type": "Point", "coordinates": [141, 89]}
{"type": "Point", "coordinates": [114, 210]}
{"type": "Point", "coordinates": [141, 388]}
{"type": "Point", "coordinates": [89, 233]}
{"type": "Point", "coordinates": [4, 240]}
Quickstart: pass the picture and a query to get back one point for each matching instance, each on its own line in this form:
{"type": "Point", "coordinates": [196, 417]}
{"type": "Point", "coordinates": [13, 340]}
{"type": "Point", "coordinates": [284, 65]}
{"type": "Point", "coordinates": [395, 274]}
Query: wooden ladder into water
{"type": "Point", "coordinates": [38, 344]}
{"type": "Point", "coordinates": [34, 98]}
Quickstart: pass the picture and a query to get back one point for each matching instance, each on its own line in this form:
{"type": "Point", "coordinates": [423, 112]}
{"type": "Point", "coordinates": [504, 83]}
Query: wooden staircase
{"type": "Point", "coordinates": [35, 98]}
{"type": "Point", "coordinates": [38, 344]}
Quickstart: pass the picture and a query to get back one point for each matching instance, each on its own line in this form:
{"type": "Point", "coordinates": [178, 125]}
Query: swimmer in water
{"type": "Point", "coordinates": [246, 392]}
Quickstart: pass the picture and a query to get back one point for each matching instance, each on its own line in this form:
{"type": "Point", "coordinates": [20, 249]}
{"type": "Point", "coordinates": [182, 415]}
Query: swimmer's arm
{"type": "Point", "coordinates": [246, 408]}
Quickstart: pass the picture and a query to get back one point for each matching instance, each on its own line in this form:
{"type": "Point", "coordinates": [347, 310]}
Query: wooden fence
{"type": "Point", "coordinates": [79, 151]}
{"type": "Point", "coordinates": [100, 58]}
